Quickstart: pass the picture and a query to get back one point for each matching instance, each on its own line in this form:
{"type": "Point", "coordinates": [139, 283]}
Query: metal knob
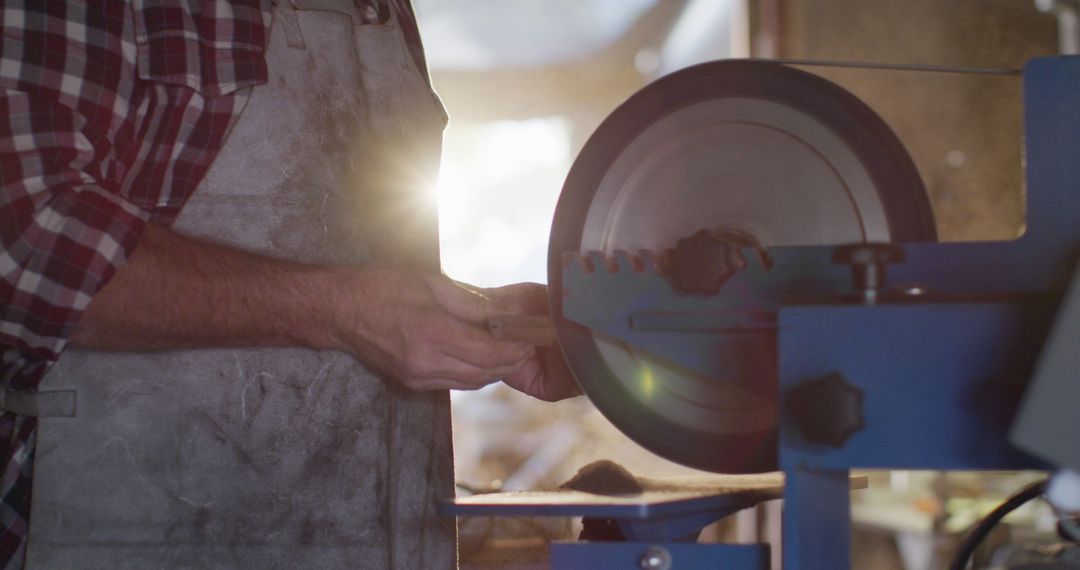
{"type": "Point", "coordinates": [868, 262]}
{"type": "Point", "coordinates": [703, 262]}
{"type": "Point", "coordinates": [827, 410]}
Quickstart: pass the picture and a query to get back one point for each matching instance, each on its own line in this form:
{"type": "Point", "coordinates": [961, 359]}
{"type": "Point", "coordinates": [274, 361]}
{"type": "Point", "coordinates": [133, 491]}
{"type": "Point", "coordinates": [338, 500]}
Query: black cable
{"type": "Point", "coordinates": [978, 533]}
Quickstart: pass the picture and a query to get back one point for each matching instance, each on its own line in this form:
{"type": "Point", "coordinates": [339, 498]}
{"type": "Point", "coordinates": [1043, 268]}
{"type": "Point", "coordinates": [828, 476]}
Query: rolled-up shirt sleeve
{"type": "Point", "coordinates": [110, 115]}
{"type": "Point", "coordinates": [63, 232]}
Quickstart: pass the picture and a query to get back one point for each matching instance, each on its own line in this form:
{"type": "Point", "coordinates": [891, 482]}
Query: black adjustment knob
{"type": "Point", "coordinates": [868, 262]}
{"type": "Point", "coordinates": [827, 410]}
{"type": "Point", "coordinates": [703, 262]}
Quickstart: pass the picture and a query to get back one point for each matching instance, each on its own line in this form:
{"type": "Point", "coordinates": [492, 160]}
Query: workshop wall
{"type": "Point", "coordinates": [964, 131]}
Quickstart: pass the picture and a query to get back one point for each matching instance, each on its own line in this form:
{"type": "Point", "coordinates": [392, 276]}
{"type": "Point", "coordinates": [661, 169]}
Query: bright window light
{"type": "Point", "coordinates": [497, 192]}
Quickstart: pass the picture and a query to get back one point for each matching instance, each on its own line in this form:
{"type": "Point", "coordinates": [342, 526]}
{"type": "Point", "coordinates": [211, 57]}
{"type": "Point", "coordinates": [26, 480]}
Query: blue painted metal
{"type": "Point", "coordinates": [941, 382]}
{"type": "Point", "coordinates": [594, 555]}
{"type": "Point", "coordinates": [635, 304]}
{"type": "Point", "coordinates": [667, 517]}
{"type": "Point", "coordinates": [1041, 260]}
{"type": "Point", "coordinates": [936, 375]}
{"type": "Point", "coordinates": [684, 528]}
{"type": "Point", "coordinates": [817, 524]}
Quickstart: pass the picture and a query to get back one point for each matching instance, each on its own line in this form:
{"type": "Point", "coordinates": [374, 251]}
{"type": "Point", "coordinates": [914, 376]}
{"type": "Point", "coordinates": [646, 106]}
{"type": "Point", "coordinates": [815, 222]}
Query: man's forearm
{"type": "Point", "coordinates": [178, 292]}
{"type": "Point", "coordinates": [426, 331]}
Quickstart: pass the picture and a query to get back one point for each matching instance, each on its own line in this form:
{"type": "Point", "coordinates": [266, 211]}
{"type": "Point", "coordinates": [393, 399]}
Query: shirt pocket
{"type": "Point", "coordinates": [212, 47]}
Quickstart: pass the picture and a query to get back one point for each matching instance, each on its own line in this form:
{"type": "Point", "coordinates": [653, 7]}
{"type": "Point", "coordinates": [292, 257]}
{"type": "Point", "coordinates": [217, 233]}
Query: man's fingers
{"type": "Point", "coordinates": [521, 298]}
{"type": "Point", "coordinates": [476, 346]}
{"type": "Point", "coordinates": [444, 371]}
{"type": "Point", "coordinates": [537, 330]}
{"type": "Point", "coordinates": [544, 376]}
{"type": "Point", "coordinates": [422, 385]}
{"type": "Point", "coordinates": [477, 305]}
{"type": "Point", "coordinates": [527, 379]}
{"type": "Point", "coordinates": [465, 304]}
{"type": "Point", "coordinates": [425, 384]}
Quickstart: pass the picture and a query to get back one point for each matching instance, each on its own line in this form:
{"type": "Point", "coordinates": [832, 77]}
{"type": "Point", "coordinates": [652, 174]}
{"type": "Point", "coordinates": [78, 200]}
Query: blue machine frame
{"type": "Point", "coordinates": [952, 407]}
{"type": "Point", "coordinates": [940, 374]}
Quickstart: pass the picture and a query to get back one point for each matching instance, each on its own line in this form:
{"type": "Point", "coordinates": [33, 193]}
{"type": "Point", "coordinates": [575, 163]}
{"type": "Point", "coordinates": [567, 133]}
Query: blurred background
{"type": "Point", "coordinates": [527, 81]}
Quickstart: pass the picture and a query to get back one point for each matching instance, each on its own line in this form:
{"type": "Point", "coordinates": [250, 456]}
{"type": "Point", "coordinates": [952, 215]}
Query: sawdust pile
{"type": "Point", "coordinates": [604, 477]}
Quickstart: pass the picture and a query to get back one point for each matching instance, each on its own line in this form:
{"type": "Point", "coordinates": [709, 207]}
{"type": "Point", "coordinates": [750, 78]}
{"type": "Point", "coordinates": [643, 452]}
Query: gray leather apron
{"type": "Point", "coordinates": [272, 458]}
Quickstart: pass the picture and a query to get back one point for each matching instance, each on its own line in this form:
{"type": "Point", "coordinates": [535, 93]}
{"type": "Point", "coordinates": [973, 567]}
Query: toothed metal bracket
{"type": "Point", "coordinates": [628, 296]}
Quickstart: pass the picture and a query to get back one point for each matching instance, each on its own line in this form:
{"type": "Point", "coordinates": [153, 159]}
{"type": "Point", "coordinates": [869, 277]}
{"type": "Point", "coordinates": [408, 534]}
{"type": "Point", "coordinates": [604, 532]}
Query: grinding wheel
{"type": "Point", "coordinates": [779, 153]}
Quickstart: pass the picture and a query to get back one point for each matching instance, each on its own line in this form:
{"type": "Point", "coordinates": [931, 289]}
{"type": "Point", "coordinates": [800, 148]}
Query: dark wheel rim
{"type": "Point", "coordinates": [898, 187]}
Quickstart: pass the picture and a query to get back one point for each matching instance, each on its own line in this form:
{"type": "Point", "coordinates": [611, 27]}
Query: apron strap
{"type": "Point", "coordinates": [294, 37]}
{"type": "Point", "coordinates": [54, 404]}
{"type": "Point", "coordinates": [372, 12]}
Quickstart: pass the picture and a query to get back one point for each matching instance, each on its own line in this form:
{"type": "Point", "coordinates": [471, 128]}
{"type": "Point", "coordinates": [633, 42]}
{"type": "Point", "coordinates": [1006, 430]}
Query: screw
{"type": "Point", "coordinates": [655, 558]}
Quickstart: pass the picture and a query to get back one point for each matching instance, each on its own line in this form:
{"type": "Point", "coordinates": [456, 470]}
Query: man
{"type": "Point", "coordinates": [112, 115]}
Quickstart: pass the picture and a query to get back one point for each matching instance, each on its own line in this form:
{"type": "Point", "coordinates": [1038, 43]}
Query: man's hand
{"type": "Point", "coordinates": [544, 374]}
{"type": "Point", "coordinates": [426, 331]}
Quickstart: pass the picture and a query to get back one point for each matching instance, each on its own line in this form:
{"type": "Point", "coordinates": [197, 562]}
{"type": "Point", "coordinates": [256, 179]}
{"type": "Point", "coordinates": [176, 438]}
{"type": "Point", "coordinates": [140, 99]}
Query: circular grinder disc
{"type": "Point", "coordinates": [779, 153]}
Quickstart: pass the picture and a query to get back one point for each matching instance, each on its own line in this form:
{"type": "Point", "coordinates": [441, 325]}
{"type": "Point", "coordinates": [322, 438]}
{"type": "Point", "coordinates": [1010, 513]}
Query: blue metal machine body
{"type": "Point", "coordinates": [941, 383]}
{"type": "Point", "coordinates": [941, 374]}
{"type": "Point", "coordinates": [594, 555]}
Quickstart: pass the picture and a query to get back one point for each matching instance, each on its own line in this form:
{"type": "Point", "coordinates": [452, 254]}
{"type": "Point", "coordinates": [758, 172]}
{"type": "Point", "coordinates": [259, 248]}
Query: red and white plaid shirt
{"type": "Point", "coordinates": [110, 116]}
